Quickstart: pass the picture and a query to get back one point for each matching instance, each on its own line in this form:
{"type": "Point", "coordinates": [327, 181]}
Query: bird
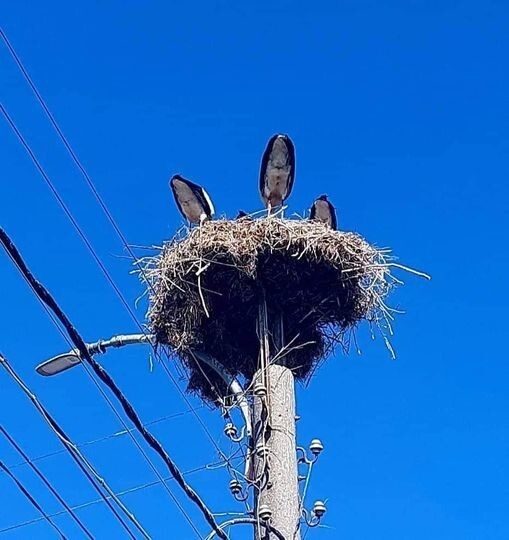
{"type": "Point", "coordinates": [277, 171]}
{"type": "Point", "coordinates": [243, 215]}
{"type": "Point", "coordinates": [323, 210]}
{"type": "Point", "coordinates": [192, 200]}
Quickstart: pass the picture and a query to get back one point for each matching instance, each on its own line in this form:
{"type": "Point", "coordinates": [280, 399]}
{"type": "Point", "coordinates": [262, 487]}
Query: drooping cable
{"type": "Point", "coordinates": [32, 500]}
{"type": "Point", "coordinates": [90, 184]}
{"type": "Point", "coordinates": [64, 207]}
{"type": "Point", "coordinates": [68, 146]}
{"type": "Point", "coordinates": [95, 441]}
{"type": "Point", "coordinates": [99, 371]}
{"type": "Point", "coordinates": [71, 217]}
{"type": "Point", "coordinates": [248, 521]}
{"type": "Point", "coordinates": [78, 228]}
{"type": "Point", "coordinates": [127, 430]}
{"type": "Point", "coordinates": [86, 467]}
{"type": "Point", "coordinates": [97, 259]}
{"type": "Point", "coordinates": [46, 482]}
{"type": "Point", "coordinates": [122, 493]}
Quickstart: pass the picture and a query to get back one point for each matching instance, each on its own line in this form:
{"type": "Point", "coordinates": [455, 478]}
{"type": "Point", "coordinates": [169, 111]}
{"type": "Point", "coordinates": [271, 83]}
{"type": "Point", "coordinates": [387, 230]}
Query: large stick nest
{"type": "Point", "coordinates": [205, 288]}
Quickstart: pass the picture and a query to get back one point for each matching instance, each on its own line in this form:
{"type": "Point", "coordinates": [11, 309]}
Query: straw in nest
{"type": "Point", "coordinates": [206, 287]}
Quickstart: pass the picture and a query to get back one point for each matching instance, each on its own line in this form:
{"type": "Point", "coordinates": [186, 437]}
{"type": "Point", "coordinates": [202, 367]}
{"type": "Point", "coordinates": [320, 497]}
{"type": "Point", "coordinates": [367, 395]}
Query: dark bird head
{"type": "Point", "coordinates": [241, 214]}
{"type": "Point", "coordinates": [322, 198]}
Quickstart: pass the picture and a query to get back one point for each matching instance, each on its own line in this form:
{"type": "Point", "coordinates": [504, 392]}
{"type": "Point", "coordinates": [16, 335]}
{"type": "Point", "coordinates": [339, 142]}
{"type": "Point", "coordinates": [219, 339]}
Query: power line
{"type": "Point", "coordinates": [127, 430]}
{"type": "Point", "coordinates": [138, 445]}
{"type": "Point", "coordinates": [103, 375]}
{"type": "Point", "coordinates": [107, 399]}
{"type": "Point", "coordinates": [71, 217]}
{"type": "Point", "coordinates": [98, 440]}
{"type": "Point", "coordinates": [99, 200]}
{"type": "Point", "coordinates": [46, 482]}
{"type": "Point", "coordinates": [91, 186]}
{"type": "Point", "coordinates": [34, 503]}
{"type": "Point", "coordinates": [70, 150]}
{"type": "Point", "coordinates": [68, 147]}
{"type": "Point", "coordinates": [64, 207]}
{"type": "Point", "coordinates": [85, 466]}
{"type": "Point", "coordinates": [96, 257]}
{"type": "Point", "coordinates": [188, 403]}
{"type": "Point", "coordinates": [127, 491]}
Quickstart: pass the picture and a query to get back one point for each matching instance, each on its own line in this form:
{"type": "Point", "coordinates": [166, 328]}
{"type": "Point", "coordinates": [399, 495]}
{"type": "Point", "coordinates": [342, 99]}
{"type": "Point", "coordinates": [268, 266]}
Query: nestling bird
{"type": "Point", "coordinates": [192, 200]}
{"type": "Point", "coordinates": [243, 214]}
{"type": "Point", "coordinates": [277, 171]}
{"type": "Point", "coordinates": [322, 210]}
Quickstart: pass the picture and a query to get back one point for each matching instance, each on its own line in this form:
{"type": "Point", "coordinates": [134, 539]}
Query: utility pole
{"type": "Point", "coordinates": [275, 465]}
{"type": "Point", "coordinates": [276, 482]}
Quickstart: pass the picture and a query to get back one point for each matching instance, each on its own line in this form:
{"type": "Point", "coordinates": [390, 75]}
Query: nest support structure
{"type": "Point", "coordinates": [206, 287]}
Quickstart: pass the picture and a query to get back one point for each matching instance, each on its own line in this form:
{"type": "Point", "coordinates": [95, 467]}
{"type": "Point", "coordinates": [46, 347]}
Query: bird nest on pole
{"type": "Point", "coordinates": [206, 286]}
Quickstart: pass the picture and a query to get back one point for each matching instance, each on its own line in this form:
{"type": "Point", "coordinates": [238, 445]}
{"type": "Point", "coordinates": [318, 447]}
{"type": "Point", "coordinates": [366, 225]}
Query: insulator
{"type": "Point", "coordinates": [264, 512]}
{"type": "Point", "coordinates": [235, 487]}
{"type": "Point", "coordinates": [259, 389]}
{"type": "Point", "coordinates": [262, 450]}
{"type": "Point", "coordinates": [319, 509]}
{"type": "Point", "coordinates": [230, 430]}
{"type": "Point", "coordinates": [316, 447]}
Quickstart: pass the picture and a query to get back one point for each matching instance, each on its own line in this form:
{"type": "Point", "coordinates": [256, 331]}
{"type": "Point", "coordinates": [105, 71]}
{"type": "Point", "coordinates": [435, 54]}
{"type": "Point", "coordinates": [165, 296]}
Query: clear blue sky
{"type": "Point", "coordinates": [399, 112]}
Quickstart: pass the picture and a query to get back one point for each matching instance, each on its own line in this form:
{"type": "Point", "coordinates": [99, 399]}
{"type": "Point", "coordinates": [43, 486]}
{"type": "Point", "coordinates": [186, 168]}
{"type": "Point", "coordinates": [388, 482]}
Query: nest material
{"type": "Point", "coordinates": [206, 287]}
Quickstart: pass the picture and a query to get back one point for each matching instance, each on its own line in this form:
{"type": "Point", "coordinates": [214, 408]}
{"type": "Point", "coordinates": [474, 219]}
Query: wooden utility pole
{"type": "Point", "coordinates": [275, 466]}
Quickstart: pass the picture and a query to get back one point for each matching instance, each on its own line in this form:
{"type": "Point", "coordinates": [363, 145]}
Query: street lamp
{"type": "Point", "coordinates": [66, 361]}
{"type": "Point", "coordinates": [59, 363]}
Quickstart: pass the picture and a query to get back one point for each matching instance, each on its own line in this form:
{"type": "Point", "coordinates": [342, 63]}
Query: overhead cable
{"type": "Point", "coordinates": [94, 191]}
{"type": "Point", "coordinates": [45, 481]}
{"type": "Point", "coordinates": [99, 262]}
{"type": "Point", "coordinates": [32, 500]}
{"type": "Point", "coordinates": [79, 343]}
{"type": "Point", "coordinates": [86, 467]}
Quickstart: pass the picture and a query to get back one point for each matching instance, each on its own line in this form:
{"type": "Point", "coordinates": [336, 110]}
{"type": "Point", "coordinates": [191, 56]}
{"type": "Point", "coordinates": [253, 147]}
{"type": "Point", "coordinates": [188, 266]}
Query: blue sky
{"type": "Point", "coordinates": [399, 112]}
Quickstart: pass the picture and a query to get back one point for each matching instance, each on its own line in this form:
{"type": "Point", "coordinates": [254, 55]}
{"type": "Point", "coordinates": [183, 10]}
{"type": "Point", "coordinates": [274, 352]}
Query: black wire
{"type": "Point", "coordinates": [27, 494]}
{"type": "Point", "coordinates": [110, 404]}
{"type": "Point", "coordinates": [63, 206]}
{"type": "Point", "coordinates": [186, 399]}
{"type": "Point", "coordinates": [95, 441]}
{"type": "Point", "coordinates": [251, 521]}
{"type": "Point", "coordinates": [69, 213]}
{"type": "Point", "coordinates": [96, 195]}
{"type": "Point", "coordinates": [43, 293]}
{"type": "Point", "coordinates": [119, 417]}
{"type": "Point", "coordinates": [69, 148]}
{"type": "Point", "coordinates": [88, 180]}
{"type": "Point", "coordinates": [94, 254]}
{"type": "Point", "coordinates": [46, 482]}
{"type": "Point", "coordinates": [69, 446]}
{"type": "Point", "coordinates": [118, 494]}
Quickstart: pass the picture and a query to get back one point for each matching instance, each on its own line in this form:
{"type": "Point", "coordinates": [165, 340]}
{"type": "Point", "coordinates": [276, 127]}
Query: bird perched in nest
{"type": "Point", "coordinates": [323, 210]}
{"type": "Point", "coordinates": [192, 200]}
{"type": "Point", "coordinates": [277, 171]}
{"type": "Point", "coordinates": [243, 215]}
